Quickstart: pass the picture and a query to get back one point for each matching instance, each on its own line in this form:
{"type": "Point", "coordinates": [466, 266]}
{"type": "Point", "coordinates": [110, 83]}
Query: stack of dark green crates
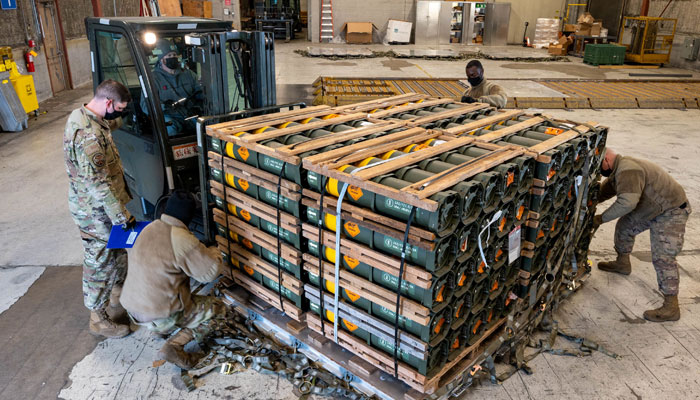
{"type": "Point", "coordinates": [466, 256]}
{"type": "Point", "coordinates": [604, 54]}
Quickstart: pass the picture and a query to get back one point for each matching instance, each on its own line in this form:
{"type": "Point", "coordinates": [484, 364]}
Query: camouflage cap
{"type": "Point", "coordinates": [163, 47]}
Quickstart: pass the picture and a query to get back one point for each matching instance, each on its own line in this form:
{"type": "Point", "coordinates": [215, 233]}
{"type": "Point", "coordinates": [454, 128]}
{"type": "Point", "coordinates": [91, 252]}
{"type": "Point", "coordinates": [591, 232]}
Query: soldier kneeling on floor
{"type": "Point", "coordinates": [156, 291]}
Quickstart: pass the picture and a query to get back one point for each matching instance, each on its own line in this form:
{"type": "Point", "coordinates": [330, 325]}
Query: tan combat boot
{"type": "Point", "coordinates": [173, 351]}
{"type": "Point", "coordinates": [100, 324]}
{"type": "Point", "coordinates": [115, 311]}
{"type": "Point", "coordinates": [667, 312]}
{"type": "Point", "coordinates": [621, 266]}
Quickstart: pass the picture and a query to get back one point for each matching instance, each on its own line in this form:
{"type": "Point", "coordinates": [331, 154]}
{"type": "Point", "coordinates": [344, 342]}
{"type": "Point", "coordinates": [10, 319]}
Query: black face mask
{"type": "Point", "coordinates": [113, 115]}
{"type": "Point", "coordinates": [172, 62]}
{"type": "Point", "coordinates": [475, 81]}
{"type": "Point", "coordinates": [606, 172]}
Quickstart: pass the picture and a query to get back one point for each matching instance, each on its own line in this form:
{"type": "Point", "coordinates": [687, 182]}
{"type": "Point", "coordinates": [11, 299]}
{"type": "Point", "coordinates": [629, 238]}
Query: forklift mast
{"type": "Point", "coordinates": [229, 75]}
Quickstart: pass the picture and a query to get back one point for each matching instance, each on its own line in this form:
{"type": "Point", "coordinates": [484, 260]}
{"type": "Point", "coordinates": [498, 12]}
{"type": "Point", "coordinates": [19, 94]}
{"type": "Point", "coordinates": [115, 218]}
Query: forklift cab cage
{"type": "Point", "coordinates": [228, 75]}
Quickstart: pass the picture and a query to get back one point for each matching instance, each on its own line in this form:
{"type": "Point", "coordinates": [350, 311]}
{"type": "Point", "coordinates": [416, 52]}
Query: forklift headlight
{"type": "Point", "coordinates": [193, 41]}
{"type": "Point", "coordinates": [150, 38]}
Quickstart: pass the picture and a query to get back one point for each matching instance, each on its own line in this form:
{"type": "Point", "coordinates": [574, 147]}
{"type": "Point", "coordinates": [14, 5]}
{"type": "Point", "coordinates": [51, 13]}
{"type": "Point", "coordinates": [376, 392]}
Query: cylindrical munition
{"type": "Point", "coordinates": [508, 185]}
{"type": "Point", "coordinates": [240, 213]}
{"type": "Point", "coordinates": [526, 166]}
{"type": "Point", "coordinates": [548, 172]}
{"type": "Point", "coordinates": [493, 183]}
{"type": "Point", "coordinates": [353, 265]}
{"type": "Point", "coordinates": [471, 192]}
{"type": "Point", "coordinates": [442, 222]}
{"type": "Point", "coordinates": [435, 298]}
{"type": "Point", "coordinates": [436, 358]}
{"type": "Point", "coordinates": [235, 182]}
{"type": "Point", "coordinates": [460, 311]}
{"type": "Point", "coordinates": [543, 203]}
{"type": "Point", "coordinates": [456, 342]}
{"type": "Point", "coordinates": [474, 326]}
{"type": "Point", "coordinates": [560, 191]}
{"type": "Point", "coordinates": [467, 241]}
{"type": "Point", "coordinates": [521, 207]}
{"type": "Point", "coordinates": [505, 303]}
{"type": "Point", "coordinates": [464, 276]}
{"type": "Point", "coordinates": [250, 246]}
{"type": "Point", "coordinates": [479, 294]}
{"type": "Point", "coordinates": [437, 261]}
{"type": "Point", "coordinates": [351, 230]}
{"type": "Point", "coordinates": [435, 331]}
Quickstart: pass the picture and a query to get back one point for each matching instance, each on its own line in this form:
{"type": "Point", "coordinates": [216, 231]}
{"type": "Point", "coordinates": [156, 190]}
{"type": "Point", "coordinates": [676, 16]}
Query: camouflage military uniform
{"type": "Point", "coordinates": [666, 231]}
{"type": "Point", "coordinates": [97, 200]}
{"type": "Point", "coordinates": [201, 318]}
{"type": "Point", "coordinates": [648, 198]}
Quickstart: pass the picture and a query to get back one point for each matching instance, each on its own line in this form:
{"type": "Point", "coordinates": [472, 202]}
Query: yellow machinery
{"type": "Point", "coordinates": [23, 84]}
{"type": "Point", "coordinates": [652, 39]}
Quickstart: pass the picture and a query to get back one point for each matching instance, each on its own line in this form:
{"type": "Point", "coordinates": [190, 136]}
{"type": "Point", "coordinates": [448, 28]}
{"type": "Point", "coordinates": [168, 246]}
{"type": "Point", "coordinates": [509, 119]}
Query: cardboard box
{"type": "Point", "coordinates": [585, 19]}
{"type": "Point", "coordinates": [558, 50]}
{"type": "Point", "coordinates": [583, 30]}
{"type": "Point", "coordinates": [564, 40]}
{"type": "Point", "coordinates": [569, 28]}
{"type": "Point", "coordinates": [596, 28]}
{"type": "Point", "coordinates": [398, 31]}
{"type": "Point", "coordinates": [358, 32]}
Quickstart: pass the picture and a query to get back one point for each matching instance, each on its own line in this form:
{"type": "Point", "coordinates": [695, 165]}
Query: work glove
{"type": "Point", "coordinates": [468, 99]}
{"type": "Point", "coordinates": [597, 221]}
{"type": "Point", "coordinates": [129, 224]}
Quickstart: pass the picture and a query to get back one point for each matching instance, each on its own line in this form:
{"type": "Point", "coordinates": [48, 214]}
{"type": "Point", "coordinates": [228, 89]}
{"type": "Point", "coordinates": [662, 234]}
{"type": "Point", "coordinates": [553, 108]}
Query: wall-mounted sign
{"type": "Point", "coordinates": [8, 4]}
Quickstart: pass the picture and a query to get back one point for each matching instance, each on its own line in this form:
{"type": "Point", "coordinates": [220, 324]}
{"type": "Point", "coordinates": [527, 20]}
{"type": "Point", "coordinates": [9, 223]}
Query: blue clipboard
{"type": "Point", "coordinates": [121, 239]}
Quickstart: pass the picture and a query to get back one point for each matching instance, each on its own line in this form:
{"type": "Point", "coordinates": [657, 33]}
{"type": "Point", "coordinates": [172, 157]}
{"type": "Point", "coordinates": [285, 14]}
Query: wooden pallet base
{"type": "Point", "coordinates": [271, 298]}
{"type": "Point", "coordinates": [381, 360]}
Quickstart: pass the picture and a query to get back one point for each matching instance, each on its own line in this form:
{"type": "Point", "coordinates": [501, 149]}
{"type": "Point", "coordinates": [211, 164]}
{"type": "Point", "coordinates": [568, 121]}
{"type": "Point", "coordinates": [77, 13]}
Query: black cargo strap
{"type": "Point", "coordinates": [237, 345]}
{"type": "Point", "coordinates": [279, 240]}
{"type": "Point", "coordinates": [227, 235]}
{"type": "Point", "coordinates": [321, 309]}
{"type": "Point", "coordinates": [586, 348]}
{"type": "Point", "coordinates": [398, 290]}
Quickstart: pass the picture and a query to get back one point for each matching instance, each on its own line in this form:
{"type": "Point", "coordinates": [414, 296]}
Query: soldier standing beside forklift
{"type": "Point", "coordinates": [97, 199]}
{"type": "Point", "coordinates": [178, 89]}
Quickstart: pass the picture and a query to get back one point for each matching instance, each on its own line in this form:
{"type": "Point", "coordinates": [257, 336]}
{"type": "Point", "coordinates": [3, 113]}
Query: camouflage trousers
{"type": "Point", "coordinates": [103, 268]}
{"type": "Point", "coordinates": [667, 231]}
{"type": "Point", "coordinates": [201, 318]}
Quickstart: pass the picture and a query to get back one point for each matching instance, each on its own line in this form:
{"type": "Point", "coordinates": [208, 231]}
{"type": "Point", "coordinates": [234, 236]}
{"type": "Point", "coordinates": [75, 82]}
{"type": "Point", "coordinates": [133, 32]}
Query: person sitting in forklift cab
{"type": "Point", "coordinates": [179, 91]}
{"type": "Point", "coordinates": [481, 90]}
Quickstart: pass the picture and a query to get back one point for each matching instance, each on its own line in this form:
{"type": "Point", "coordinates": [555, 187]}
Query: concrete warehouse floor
{"type": "Point", "coordinates": [46, 351]}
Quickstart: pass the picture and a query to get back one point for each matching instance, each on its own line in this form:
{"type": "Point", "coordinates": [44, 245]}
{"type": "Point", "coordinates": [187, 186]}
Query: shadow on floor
{"type": "Point", "coordinates": [44, 335]}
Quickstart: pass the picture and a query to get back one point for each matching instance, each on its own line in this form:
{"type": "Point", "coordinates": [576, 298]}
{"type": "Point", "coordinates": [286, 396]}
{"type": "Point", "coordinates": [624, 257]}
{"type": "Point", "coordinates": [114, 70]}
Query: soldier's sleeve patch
{"type": "Point", "coordinates": [95, 155]}
{"type": "Point", "coordinates": [97, 160]}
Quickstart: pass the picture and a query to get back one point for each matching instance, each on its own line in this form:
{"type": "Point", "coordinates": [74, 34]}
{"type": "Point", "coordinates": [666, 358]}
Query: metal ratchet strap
{"type": "Point", "coordinates": [321, 309]}
{"type": "Point", "coordinates": [398, 290]}
{"type": "Point", "coordinates": [279, 239]}
{"type": "Point", "coordinates": [338, 226]}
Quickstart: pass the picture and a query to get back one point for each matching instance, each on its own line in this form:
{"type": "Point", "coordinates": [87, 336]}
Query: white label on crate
{"type": "Point", "coordinates": [513, 245]}
{"type": "Point", "coordinates": [132, 237]}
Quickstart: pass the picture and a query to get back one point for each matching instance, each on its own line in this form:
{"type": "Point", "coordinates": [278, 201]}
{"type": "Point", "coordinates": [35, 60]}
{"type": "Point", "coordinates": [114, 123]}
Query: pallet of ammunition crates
{"type": "Point", "coordinates": [400, 222]}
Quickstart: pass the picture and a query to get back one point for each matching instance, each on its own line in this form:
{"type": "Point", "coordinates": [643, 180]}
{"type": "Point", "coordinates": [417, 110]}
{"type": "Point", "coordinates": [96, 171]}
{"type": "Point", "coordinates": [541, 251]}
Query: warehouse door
{"type": "Point", "coordinates": [53, 45]}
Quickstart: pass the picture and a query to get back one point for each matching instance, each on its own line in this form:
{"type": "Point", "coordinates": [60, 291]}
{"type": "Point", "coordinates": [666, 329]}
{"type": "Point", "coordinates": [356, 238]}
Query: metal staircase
{"type": "Point", "coordinates": [326, 32]}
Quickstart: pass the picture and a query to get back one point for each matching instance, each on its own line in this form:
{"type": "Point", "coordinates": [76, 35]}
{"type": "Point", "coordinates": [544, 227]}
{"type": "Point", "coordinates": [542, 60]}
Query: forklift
{"type": "Point", "coordinates": [234, 73]}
